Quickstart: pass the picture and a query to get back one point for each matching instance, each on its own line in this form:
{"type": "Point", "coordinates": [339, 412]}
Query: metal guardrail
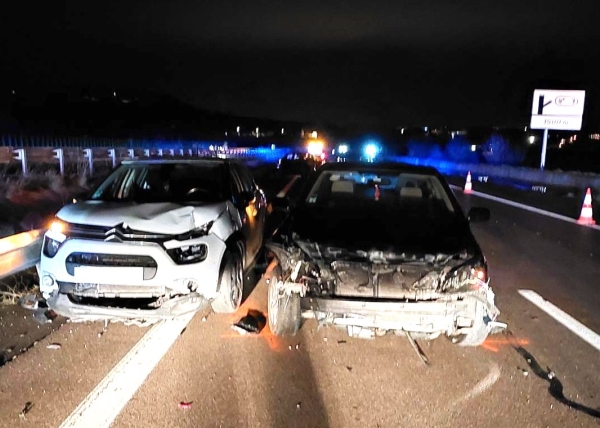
{"type": "Point", "coordinates": [19, 252]}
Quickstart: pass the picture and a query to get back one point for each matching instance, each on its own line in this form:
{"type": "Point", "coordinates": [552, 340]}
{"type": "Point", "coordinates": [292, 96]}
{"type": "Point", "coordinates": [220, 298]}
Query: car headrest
{"type": "Point", "coordinates": [411, 192]}
{"type": "Point", "coordinates": [342, 187]}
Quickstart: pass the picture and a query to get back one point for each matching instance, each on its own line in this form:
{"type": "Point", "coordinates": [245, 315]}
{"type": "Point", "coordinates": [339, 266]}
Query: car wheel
{"type": "Point", "coordinates": [478, 333]}
{"type": "Point", "coordinates": [231, 284]}
{"type": "Point", "coordinates": [284, 313]}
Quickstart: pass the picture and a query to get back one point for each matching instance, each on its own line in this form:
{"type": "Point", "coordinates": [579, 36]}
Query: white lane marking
{"type": "Point", "coordinates": [105, 402]}
{"type": "Point", "coordinates": [525, 207]}
{"type": "Point", "coordinates": [288, 186]}
{"type": "Point", "coordinates": [482, 386]}
{"type": "Point", "coordinates": [562, 317]}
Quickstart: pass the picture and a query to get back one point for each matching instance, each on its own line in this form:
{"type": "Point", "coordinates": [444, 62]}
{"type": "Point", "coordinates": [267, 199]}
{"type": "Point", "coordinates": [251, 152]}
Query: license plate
{"type": "Point", "coordinates": [110, 275]}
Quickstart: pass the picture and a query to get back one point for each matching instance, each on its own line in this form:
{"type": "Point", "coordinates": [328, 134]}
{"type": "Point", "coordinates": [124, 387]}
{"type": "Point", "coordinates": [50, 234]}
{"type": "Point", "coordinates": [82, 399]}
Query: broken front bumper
{"type": "Point", "coordinates": [174, 307]}
{"type": "Point", "coordinates": [450, 317]}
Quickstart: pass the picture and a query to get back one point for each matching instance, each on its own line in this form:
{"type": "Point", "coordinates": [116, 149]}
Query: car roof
{"type": "Point", "coordinates": [380, 166]}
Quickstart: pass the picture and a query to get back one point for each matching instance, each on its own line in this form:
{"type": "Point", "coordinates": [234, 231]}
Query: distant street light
{"type": "Point", "coordinates": [531, 139]}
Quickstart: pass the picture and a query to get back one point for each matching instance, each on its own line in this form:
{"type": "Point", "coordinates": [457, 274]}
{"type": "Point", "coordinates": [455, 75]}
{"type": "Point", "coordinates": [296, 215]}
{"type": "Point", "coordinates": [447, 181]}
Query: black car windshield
{"type": "Point", "coordinates": [389, 193]}
{"type": "Point", "coordinates": [198, 182]}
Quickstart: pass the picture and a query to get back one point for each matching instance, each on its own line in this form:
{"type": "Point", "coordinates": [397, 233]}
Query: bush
{"type": "Point", "coordinates": [459, 150]}
{"type": "Point", "coordinates": [499, 151]}
{"type": "Point", "coordinates": [425, 149]}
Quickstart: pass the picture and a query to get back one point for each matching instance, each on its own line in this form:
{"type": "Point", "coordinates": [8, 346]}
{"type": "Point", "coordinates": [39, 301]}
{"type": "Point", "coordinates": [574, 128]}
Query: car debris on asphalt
{"type": "Point", "coordinates": [26, 409]}
{"type": "Point", "coordinates": [185, 405]}
{"type": "Point", "coordinates": [252, 323]}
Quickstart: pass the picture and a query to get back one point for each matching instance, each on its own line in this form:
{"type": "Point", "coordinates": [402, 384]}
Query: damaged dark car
{"type": "Point", "coordinates": [381, 248]}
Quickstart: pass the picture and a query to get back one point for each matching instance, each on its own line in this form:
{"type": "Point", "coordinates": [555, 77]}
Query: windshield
{"type": "Point", "coordinates": [168, 182]}
{"type": "Point", "coordinates": [388, 193]}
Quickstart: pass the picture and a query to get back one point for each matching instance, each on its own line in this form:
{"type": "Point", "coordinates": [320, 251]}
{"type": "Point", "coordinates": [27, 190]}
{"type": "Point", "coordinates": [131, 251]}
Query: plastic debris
{"type": "Point", "coordinates": [44, 316]}
{"type": "Point", "coordinates": [252, 323]}
{"type": "Point", "coordinates": [185, 405]}
{"type": "Point", "coordinates": [26, 409]}
{"type": "Point", "coordinates": [54, 346]}
{"type": "Point", "coordinates": [29, 301]}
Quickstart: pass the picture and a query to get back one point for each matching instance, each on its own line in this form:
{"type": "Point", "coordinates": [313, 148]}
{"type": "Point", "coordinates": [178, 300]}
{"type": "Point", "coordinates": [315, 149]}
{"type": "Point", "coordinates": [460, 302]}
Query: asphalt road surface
{"type": "Point", "coordinates": [539, 374]}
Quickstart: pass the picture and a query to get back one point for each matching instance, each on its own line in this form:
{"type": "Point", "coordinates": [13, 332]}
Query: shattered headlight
{"type": "Point", "coordinates": [189, 254]}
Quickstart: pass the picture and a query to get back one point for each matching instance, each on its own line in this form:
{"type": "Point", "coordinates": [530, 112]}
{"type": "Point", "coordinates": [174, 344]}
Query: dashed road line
{"type": "Point", "coordinates": [562, 317]}
{"type": "Point", "coordinates": [525, 207]}
{"type": "Point", "coordinates": [101, 407]}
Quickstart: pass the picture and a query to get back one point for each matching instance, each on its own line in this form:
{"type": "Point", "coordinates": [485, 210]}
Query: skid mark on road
{"type": "Point", "coordinates": [482, 386]}
{"type": "Point", "coordinates": [100, 408]}
{"type": "Point", "coordinates": [562, 317]}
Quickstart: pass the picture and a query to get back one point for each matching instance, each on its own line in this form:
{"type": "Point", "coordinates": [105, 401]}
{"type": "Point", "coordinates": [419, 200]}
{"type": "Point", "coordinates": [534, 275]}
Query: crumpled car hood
{"type": "Point", "coordinates": [164, 217]}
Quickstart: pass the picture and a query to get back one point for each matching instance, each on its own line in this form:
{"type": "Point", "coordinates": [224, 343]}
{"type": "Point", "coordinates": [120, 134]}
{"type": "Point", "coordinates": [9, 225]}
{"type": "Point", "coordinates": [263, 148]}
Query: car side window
{"type": "Point", "coordinates": [236, 181]}
{"type": "Point", "coordinates": [246, 179]}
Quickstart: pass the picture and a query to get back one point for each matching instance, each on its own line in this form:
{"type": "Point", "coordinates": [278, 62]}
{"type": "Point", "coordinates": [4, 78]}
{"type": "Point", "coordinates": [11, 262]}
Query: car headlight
{"type": "Point", "coordinates": [54, 238]}
{"type": "Point", "coordinates": [51, 247]}
{"type": "Point", "coordinates": [189, 254]}
{"type": "Point", "coordinates": [470, 276]}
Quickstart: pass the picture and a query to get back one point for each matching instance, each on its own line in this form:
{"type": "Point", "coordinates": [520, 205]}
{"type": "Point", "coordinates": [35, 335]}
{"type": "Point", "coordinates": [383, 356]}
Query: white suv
{"type": "Point", "coordinates": [155, 240]}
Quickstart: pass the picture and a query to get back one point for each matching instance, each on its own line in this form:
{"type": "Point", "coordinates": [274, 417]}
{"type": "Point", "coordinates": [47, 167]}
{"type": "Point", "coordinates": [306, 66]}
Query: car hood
{"type": "Point", "coordinates": [164, 217]}
{"type": "Point", "coordinates": [356, 231]}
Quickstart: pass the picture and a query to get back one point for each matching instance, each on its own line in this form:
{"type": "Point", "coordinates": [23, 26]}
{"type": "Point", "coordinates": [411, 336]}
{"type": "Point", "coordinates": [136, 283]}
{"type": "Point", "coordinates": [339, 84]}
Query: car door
{"type": "Point", "coordinates": [257, 208]}
{"type": "Point", "coordinates": [252, 208]}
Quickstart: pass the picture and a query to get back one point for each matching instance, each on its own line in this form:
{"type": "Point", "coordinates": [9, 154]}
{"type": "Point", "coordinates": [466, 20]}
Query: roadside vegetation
{"type": "Point", "coordinates": [14, 287]}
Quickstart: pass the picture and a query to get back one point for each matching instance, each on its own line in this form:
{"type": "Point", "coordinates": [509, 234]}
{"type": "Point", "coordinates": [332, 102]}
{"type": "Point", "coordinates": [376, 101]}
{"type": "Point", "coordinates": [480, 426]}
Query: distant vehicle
{"type": "Point", "coordinates": [376, 248]}
{"type": "Point", "coordinates": [154, 240]}
{"type": "Point", "coordinates": [298, 163]}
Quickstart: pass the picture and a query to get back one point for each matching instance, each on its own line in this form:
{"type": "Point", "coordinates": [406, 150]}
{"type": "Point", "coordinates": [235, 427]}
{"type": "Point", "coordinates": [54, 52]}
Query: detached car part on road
{"type": "Point", "coordinates": [156, 239]}
{"type": "Point", "coordinates": [377, 248]}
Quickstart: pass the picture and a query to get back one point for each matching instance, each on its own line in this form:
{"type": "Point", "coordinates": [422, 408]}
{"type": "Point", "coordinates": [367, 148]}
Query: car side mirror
{"type": "Point", "coordinates": [478, 214]}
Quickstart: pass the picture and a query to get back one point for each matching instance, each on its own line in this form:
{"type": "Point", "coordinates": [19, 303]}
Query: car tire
{"type": "Point", "coordinates": [231, 284]}
{"type": "Point", "coordinates": [478, 334]}
{"type": "Point", "coordinates": [284, 312]}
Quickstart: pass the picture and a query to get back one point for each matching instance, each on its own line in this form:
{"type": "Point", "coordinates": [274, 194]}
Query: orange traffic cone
{"type": "Point", "coordinates": [468, 185]}
{"type": "Point", "coordinates": [587, 215]}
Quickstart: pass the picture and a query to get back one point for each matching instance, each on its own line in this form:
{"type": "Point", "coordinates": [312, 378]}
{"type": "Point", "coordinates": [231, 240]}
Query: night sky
{"type": "Point", "coordinates": [349, 62]}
